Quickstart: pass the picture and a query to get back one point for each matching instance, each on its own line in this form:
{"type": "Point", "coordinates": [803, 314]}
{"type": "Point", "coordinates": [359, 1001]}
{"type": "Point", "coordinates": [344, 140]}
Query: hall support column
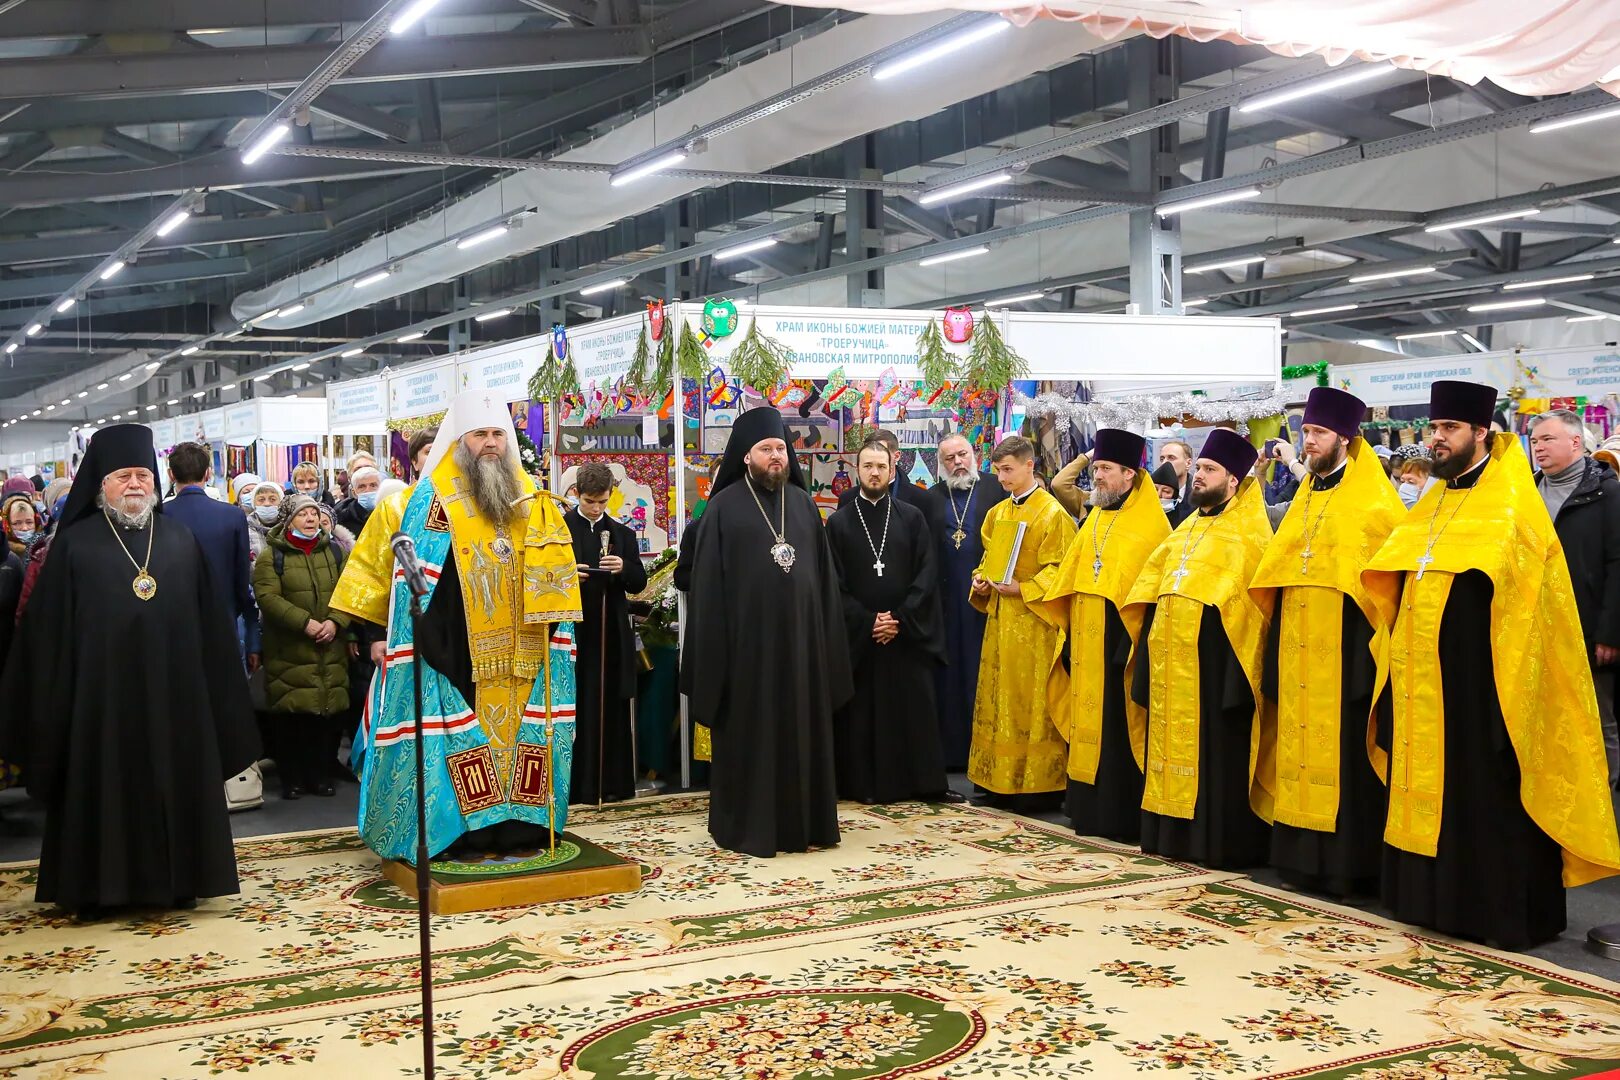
{"type": "Point", "coordinates": [1155, 167]}
{"type": "Point", "coordinates": [863, 222]}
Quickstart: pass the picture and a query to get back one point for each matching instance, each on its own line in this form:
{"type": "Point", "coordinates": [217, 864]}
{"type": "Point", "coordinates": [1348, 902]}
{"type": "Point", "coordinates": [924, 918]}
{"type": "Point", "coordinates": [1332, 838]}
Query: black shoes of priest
{"type": "Point", "coordinates": [948, 797]}
{"type": "Point", "coordinates": [292, 791]}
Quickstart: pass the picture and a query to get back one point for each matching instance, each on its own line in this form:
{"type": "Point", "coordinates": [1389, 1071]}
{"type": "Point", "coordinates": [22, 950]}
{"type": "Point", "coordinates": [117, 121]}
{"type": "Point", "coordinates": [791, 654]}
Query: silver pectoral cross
{"type": "Point", "coordinates": [1179, 573]}
{"type": "Point", "coordinates": [878, 566]}
{"type": "Point", "coordinates": [1305, 560]}
{"type": "Point", "coordinates": [1423, 563]}
{"type": "Point", "coordinates": [1096, 568]}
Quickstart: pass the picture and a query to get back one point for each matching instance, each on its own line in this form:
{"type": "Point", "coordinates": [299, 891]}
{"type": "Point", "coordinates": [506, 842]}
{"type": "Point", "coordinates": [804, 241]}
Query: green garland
{"type": "Point", "coordinates": [1300, 371]}
{"type": "Point", "coordinates": [992, 364]}
{"type": "Point", "coordinates": [636, 378]}
{"type": "Point", "coordinates": [689, 355]}
{"type": "Point", "coordinates": [1385, 425]}
{"type": "Point", "coordinates": [410, 425]}
{"type": "Point", "coordinates": [934, 361]}
{"type": "Point", "coordinates": [555, 378]}
{"type": "Point", "coordinates": [760, 361]}
{"type": "Point", "coordinates": [665, 372]}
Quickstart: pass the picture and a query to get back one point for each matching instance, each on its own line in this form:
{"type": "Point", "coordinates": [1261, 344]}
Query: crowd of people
{"type": "Point", "coordinates": [1396, 682]}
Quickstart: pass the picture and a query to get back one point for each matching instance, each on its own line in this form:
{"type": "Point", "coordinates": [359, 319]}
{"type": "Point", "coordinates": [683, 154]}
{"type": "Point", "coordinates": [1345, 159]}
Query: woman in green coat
{"type": "Point", "coordinates": [306, 659]}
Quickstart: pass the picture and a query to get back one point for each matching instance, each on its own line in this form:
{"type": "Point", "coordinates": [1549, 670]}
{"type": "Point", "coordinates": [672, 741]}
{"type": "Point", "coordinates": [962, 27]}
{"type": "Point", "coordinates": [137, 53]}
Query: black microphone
{"type": "Point", "coordinates": [405, 552]}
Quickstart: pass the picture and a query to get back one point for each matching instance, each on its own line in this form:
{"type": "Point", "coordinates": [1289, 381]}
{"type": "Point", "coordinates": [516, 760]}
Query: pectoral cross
{"type": "Point", "coordinates": [462, 495]}
{"type": "Point", "coordinates": [959, 536]}
{"type": "Point", "coordinates": [1423, 564]}
{"type": "Point", "coordinates": [1305, 560]}
{"type": "Point", "coordinates": [1179, 573]}
{"type": "Point", "coordinates": [1096, 568]}
{"type": "Point", "coordinates": [878, 566]}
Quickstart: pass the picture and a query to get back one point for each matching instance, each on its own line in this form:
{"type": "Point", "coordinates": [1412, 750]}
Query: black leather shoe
{"type": "Point", "coordinates": [292, 792]}
{"type": "Point", "coordinates": [325, 790]}
{"type": "Point", "coordinates": [950, 797]}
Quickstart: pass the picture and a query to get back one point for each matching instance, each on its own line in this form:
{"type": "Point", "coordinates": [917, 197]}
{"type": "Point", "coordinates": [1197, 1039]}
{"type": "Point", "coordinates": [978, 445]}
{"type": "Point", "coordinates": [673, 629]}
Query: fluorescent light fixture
{"type": "Point", "coordinates": [151, 408]}
{"type": "Point", "coordinates": [198, 394]}
{"type": "Point", "coordinates": [1483, 219]}
{"type": "Point", "coordinates": [263, 378]}
{"type": "Point", "coordinates": [50, 408]}
{"type": "Point", "coordinates": [1585, 318]}
{"type": "Point", "coordinates": [412, 336]}
{"type": "Point", "coordinates": [64, 401]}
{"type": "Point", "coordinates": [176, 219]}
{"type": "Point", "coordinates": [481, 238]}
{"type": "Point", "coordinates": [1508, 305]}
{"type": "Point", "coordinates": [1612, 112]}
{"type": "Point", "coordinates": [744, 249]}
{"type": "Point", "coordinates": [112, 270]}
{"type": "Point", "coordinates": [1237, 195]}
{"type": "Point", "coordinates": [602, 287]}
{"type": "Point", "coordinates": [189, 350]}
{"type": "Point", "coordinates": [1386, 275]}
{"type": "Point", "coordinates": [1227, 264]}
{"type": "Point", "coordinates": [1367, 342]}
{"type": "Point", "coordinates": [346, 353]}
{"type": "Point", "coordinates": [154, 365]}
{"type": "Point", "coordinates": [410, 16]}
{"type": "Point", "coordinates": [234, 334]}
{"type": "Point", "coordinates": [66, 304]}
{"type": "Point", "coordinates": [292, 309]}
{"type": "Point", "coordinates": [101, 386]}
{"type": "Point", "coordinates": [264, 316]}
{"type": "Point", "coordinates": [1317, 86]}
{"type": "Point", "coordinates": [647, 168]}
{"type": "Point", "coordinates": [266, 141]}
{"type": "Point", "coordinates": [1571, 279]}
{"type": "Point", "coordinates": [1200, 302]}
{"type": "Point", "coordinates": [498, 313]}
{"type": "Point", "coordinates": [172, 401]}
{"type": "Point", "coordinates": [976, 184]}
{"type": "Point", "coordinates": [952, 256]}
{"type": "Point", "coordinates": [301, 367]}
{"type": "Point", "coordinates": [1424, 334]}
{"type": "Point", "coordinates": [126, 376]}
{"type": "Point", "coordinates": [84, 393]}
{"type": "Point", "coordinates": [35, 329]}
{"type": "Point", "coordinates": [371, 279]}
{"type": "Point", "coordinates": [1021, 298]}
{"type": "Point", "coordinates": [11, 347]}
{"type": "Point", "coordinates": [928, 54]}
{"type": "Point", "coordinates": [36, 412]}
{"type": "Point", "coordinates": [1322, 310]}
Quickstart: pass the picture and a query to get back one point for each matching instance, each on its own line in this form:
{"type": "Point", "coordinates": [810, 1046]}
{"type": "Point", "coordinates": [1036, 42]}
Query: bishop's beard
{"type": "Point", "coordinates": [131, 512]}
{"type": "Point", "coordinates": [767, 480]}
{"type": "Point", "coordinates": [494, 481]}
{"type": "Point", "coordinates": [961, 481]}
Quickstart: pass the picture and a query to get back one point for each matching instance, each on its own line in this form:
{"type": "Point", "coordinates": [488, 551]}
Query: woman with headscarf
{"type": "Point", "coordinates": [264, 511]}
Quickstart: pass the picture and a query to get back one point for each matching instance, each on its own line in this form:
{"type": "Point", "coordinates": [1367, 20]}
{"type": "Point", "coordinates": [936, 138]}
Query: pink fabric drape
{"type": "Point", "coordinates": [1531, 47]}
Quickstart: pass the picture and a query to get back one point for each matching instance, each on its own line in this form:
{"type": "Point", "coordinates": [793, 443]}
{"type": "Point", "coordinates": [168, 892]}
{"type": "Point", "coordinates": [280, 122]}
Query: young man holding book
{"type": "Point", "coordinates": [1016, 749]}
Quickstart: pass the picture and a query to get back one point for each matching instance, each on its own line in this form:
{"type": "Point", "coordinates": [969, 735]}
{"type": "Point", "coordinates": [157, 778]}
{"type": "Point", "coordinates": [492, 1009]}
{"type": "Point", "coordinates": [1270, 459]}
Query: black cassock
{"type": "Point", "coordinates": [127, 716]}
{"type": "Point", "coordinates": [1343, 862]}
{"type": "Point", "coordinates": [956, 684]}
{"type": "Point", "coordinates": [1111, 807]}
{"type": "Point", "coordinates": [1223, 832]}
{"type": "Point", "coordinates": [602, 744]}
{"type": "Point", "coordinates": [1495, 876]}
{"type": "Point", "coordinates": [765, 667]}
{"type": "Point", "coordinates": [887, 735]}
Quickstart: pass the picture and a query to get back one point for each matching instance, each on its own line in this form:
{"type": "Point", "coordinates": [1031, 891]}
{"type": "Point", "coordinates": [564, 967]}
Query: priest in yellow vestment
{"type": "Point", "coordinates": [1207, 795]}
{"type": "Point", "coordinates": [1497, 779]}
{"type": "Point", "coordinates": [1015, 748]}
{"type": "Point", "coordinates": [1088, 691]}
{"type": "Point", "coordinates": [495, 644]}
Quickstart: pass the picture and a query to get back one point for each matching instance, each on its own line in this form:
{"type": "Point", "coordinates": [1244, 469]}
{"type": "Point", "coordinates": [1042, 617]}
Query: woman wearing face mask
{"type": "Point", "coordinates": [263, 513]}
{"type": "Point", "coordinates": [1413, 476]}
{"type": "Point", "coordinates": [306, 657]}
{"type": "Point", "coordinates": [353, 512]}
{"type": "Point", "coordinates": [21, 523]}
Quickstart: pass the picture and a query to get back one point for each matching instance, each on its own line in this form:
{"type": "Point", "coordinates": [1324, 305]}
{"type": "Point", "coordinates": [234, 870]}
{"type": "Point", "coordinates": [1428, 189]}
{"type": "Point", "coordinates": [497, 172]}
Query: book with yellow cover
{"type": "Point", "coordinates": [1001, 557]}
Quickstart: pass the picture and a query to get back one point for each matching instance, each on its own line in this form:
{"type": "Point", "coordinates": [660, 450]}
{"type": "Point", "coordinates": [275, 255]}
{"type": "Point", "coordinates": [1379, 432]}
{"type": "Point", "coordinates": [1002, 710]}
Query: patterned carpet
{"type": "Point", "coordinates": [933, 942]}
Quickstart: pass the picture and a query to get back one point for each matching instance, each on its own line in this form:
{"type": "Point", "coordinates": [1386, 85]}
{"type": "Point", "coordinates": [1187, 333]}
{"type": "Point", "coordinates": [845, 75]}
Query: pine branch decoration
{"type": "Point", "coordinates": [760, 361]}
{"type": "Point", "coordinates": [636, 377]}
{"type": "Point", "coordinates": [555, 379]}
{"type": "Point", "coordinates": [934, 361]}
{"type": "Point", "coordinates": [665, 371]}
{"type": "Point", "coordinates": [689, 355]}
{"type": "Point", "coordinates": [992, 363]}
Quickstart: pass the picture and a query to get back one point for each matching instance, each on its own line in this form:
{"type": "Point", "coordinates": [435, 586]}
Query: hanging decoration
{"type": "Point", "coordinates": [689, 355]}
{"type": "Point", "coordinates": [559, 341]}
{"type": "Point", "coordinates": [639, 374]}
{"type": "Point", "coordinates": [723, 393]}
{"type": "Point", "coordinates": [759, 360]}
{"type": "Point", "coordinates": [655, 319]}
{"type": "Point", "coordinates": [934, 361]}
{"type": "Point", "coordinates": [992, 363]}
{"type": "Point", "coordinates": [410, 425]}
{"type": "Point", "coordinates": [1135, 413]}
{"type": "Point", "coordinates": [719, 318]}
{"type": "Point", "coordinates": [556, 377]}
{"type": "Point", "coordinates": [664, 371]}
{"type": "Point", "coordinates": [1300, 371]}
{"type": "Point", "coordinates": [958, 324]}
{"type": "Point", "coordinates": [838, 393]}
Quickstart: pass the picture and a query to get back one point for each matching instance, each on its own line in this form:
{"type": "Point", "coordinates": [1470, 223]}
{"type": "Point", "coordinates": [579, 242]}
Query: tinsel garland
{"type": "Point", "coordinates": [1135, 413]}
{"type": "Point", "coordinates": [636, 378]}
{"type": "Point", "coordinates": [555, 378]}
{"type": "Point", "coordinates": [991, 363]}
{"type": "Point", "coordinates": [760, 361]}
{"type": "Point", "coordinates": [689, 355]}
{"type": "Point", "coordinates": [1300, 371]}
{"type": "Point", "coordinates": [410, 425]}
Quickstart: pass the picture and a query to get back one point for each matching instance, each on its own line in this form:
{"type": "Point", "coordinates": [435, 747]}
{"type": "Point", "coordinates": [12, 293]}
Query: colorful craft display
{"type": "Point", "coordinates": [958, 323]}
{"type": "Point", "coordinates": [719, 318]}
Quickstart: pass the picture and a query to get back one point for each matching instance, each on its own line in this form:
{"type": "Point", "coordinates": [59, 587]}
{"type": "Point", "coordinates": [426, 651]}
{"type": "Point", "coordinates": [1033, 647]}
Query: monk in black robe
{"type": "Point", "coordinates": [127, 707]}
{"type": "Point", "coordinates": [955, 509]}
{"type": "Point", "coordinates": [887, 736]}
{"type": "Point", "coordinates": [604, 753]}
{"type": "Point", "coordinates": [765, 664]}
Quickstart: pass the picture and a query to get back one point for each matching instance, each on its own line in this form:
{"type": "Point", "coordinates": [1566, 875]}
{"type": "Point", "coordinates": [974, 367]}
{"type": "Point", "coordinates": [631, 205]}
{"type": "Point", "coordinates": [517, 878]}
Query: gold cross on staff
{"type": "Point", "coordinates": [462, 495]}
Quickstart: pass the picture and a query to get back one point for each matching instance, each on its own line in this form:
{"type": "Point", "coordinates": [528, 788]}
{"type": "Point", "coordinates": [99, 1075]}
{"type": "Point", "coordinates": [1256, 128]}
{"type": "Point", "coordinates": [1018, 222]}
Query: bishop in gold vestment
{"type": "Point", "coordinates": [1089, 688]}
{"type": "Point", "coordinates": [1497, 779]}
{"type": "Point", "coordinates": [1016, 750]}
{"type": "Point", "coordinates": [1206, 796]}
{"type": "Point", "coordinates": [495, 644]}
{"type": "Point", "coordinates": [1327, 656]}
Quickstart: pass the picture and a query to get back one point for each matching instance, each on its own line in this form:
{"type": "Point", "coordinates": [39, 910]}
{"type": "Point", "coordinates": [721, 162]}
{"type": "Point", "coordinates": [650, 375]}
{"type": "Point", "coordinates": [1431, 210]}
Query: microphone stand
{"type": "Point", "coordinates": [601, 674]}
{"type": "Point", "coordinates": [417, 584]}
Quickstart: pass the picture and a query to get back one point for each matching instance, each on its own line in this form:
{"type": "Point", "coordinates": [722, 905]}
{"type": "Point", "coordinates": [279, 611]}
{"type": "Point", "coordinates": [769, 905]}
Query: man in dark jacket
{"type": "Point", "coordinates": [354, 511]}
{"type": "Point", "coordinates": [219, 527]}
{"type": "Point", "coordinates": [1583, 498]}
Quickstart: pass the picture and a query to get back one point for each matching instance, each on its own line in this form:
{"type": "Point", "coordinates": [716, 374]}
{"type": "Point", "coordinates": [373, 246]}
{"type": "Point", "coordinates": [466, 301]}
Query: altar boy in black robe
{"type": "Point", "coordinates": [955, 508]}
{"type": "Point", "coordinates": [887, 737]}
{"type": "Point", "coordinates": [766, 664]}
{"type": "Point", "coordinates": [127, 707]}
{"type": "Point", "coordinates": [610, 569]}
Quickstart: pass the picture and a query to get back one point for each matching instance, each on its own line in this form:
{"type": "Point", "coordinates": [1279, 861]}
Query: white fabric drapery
{"type": "Point", "coordinates": [1530, 47]}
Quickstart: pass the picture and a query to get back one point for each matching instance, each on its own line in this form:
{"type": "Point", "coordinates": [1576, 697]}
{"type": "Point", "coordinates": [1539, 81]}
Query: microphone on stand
{"type": "Point", "coordinates": [405, 552]}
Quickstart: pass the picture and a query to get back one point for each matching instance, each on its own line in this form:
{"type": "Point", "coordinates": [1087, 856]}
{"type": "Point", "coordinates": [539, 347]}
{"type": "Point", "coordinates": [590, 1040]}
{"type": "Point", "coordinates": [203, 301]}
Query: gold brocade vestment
{"type": "Point", "coordinates": [1015, 749]}
{"type": "Point", "coordinates": [1219, 564]}
{"type": "Point", "coordinates": [1103, 562]}
{"type": "Point", "coordinates": [1543, 686]}
{"type": "Point", "coordinates": [1341, 528]}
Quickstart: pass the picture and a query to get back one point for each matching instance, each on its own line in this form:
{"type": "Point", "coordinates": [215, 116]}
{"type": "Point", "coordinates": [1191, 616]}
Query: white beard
{"type": "Point", "coordinates": [964, 482]}
{"type": "Point", "coordinates": [122, 517]}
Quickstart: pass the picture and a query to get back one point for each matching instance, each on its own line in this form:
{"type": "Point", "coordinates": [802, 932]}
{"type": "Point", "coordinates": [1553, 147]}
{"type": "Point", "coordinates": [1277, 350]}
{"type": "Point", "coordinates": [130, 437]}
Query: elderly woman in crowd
{"type": "Point", "coordinates": [306, 480]}
{"type": "Point", "coordinates": [263, 512]}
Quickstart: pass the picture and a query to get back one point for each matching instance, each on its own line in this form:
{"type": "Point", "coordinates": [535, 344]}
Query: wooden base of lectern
{"type": "Point", "coordinates": [495, 884]}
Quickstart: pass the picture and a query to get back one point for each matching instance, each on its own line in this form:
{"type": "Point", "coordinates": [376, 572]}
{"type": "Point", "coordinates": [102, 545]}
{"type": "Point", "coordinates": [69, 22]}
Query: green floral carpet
{"type": "Point", "coordinates": [317, 937]}
{"type": "Point", "coordinates": [1218, 979]}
